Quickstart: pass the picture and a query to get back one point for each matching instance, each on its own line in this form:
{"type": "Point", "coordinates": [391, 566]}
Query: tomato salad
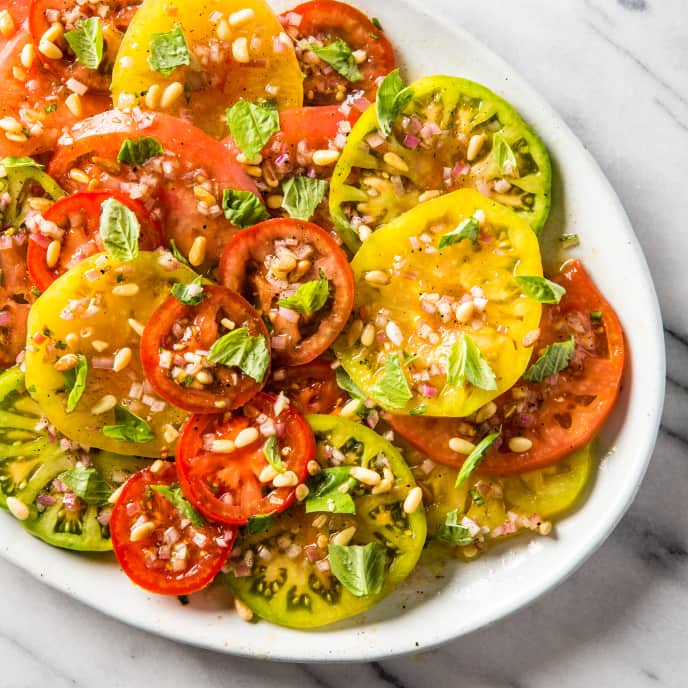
{"type": "Point", "coordinates": [272, 317]}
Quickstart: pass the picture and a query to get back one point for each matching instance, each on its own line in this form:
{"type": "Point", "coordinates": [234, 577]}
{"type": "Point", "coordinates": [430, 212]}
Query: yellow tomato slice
{"type": "Point", "coordinates": [97, 309]}
{"type": "Point", "coordinates": [237, 50]}
{"type": "Point", "coordinates": [411, 301]}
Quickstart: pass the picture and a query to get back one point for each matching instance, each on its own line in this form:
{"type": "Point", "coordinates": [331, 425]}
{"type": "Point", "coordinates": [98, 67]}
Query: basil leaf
{"type": "Point", "coordinates": [139, 151]}
{"type": "Point", "coordinates": [465, 363]}
{"type": "Point", "coordinates": [348, 385]}
{"type": "Point", "coordinates": [129, 427]}
{"type": "Point", "coordinates": [86, 483]}
{"type": "Point", "coordinates": [555, 359]}
{"type": "Point", "coordinates": [50, 108]}
{"type": "Point", "coordinates": [376, 23]}
{"type": "Point", "coordinates": [189, 294]}
{"type": "Point", "coordinates": [302, 195]}
{"type": "Point", "coordinates": [419, 410]}
{"type": "Point", "coordinates": [11, 163]}
{"type": "Point", "coordinates": [177, 254]}
{"type": "Point", "coordinates": [339, 56]}
{"type": "Point", "coordinates": [239, 349]}
{"type": "Point", "coordinates": [393, 389]}
{"type": "Point", "coordinates": [75, 382]}
{"type": "Point", "coordinates": [392, 98]}
{"type": "Point", "coordinates": [506, 160]}
{"type": "Point", "coordinates": [243, 208]}
{"type": "Point", "coordinates": [119, 230]}
{"type": "Point", "coordinates": [174, 494]}
{"type": "Point", "coordinates": [540, 288]}
{"type": "Point", "coordinates": [468, 229]}
{"type": "Point", "coordinates": [359, 568]}
{"type": "Point", "coordinates": [252, 125]}
{"type": "Point", "coordinates": [309, 298]}
{"type": "Point", "coordinates": [260, 523]}
{"type": "Point", "coordinates": [272, 454]}
{"type": "Point", "coordinates": [325, 494]}
{"type": "Point", "coordinates": [452, 532]}
{"type": "Point", "coordinates": [475, 457]}
{"type": "Point", "coordinates": [86, 41]}
{"type": "Point", "coordinates": [168, 51]}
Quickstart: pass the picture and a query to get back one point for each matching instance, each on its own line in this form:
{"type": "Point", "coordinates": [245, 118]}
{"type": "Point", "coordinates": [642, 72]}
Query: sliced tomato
{"type": "Point", "coordinates": [158, 546]}
{"type": "Point", "coordinates": [114, 17]}
{"type": "Point", "coordinates": [18, 10]}
{"type": "Point", "coordinates": [78, 216]}
{"type": "Point", "coordinates": [175, 347]}
{"type": "Point", "coordinates": [168, 184]}
{"type": "Point", "coordinates": [311, 388]}
{"type": "Point", "coordinates": [224, 482]}
{"type": "Point", "coordinates": [269, 262]}
{"type": "Point", "coordinates": [321, 23]}
{"type": "Point", "coordinates": [13, 317]}
{"type": "Point", "coordinates": [558, 416]}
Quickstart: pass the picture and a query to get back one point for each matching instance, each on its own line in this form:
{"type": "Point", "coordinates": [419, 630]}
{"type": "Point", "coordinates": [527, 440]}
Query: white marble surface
{"type": "Point", "coordinates": [617, 71]}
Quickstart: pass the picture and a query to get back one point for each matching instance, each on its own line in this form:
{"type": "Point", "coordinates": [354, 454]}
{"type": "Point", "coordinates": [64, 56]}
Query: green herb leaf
{"type": "Point", "coordinates": [189, 294]}
{"type": "Point", "coordinates": [87, 484]}
{"type": "Point", "coordinates": [465, 363]}
{"type": "Point", "coordinates": [309, 298]}
{"type": "Point", "coordinates": [75, 382]}
{"type": "Point", "coordinates": [555, 359]}
{"type": "Point", "coordinates": [392, 98]}
{"type": "Point", "coordinates": [454, 533]}
{"type": "Point", "coordinates": [476, 496]}
{"type": "Point", "coordinates": [260, 523]}
{"type": "Point", "coordinates": [86, 41]}
{"type": "Point", "coordinates": [468, 229]}
{"type": "Point", "coordinates": [345, 382]}
{"type": "Point", "coordinates": [129, 427]}
{"type": "Point", "coordinates": [272, 454]}
{"type": "Point", "coordinates": [119, 230]}
{"type": "Point", "coordinates": [393, 389]}
{"type": "Point", "coordinates": [540, 288]}
{"type": "Point", "coordinates": [50, 108]}
{"type": "Point", "coordinates": [569, 240]}
{"type": "Point", "coordinates": [339, 56]}
{"type": "Point", "coordinates": [359, 568]}
{"type": "Point", "coordinates": [177, 254]}
{"type": "Point", "coordinates": [302, 195]}
{"type": "Point", "coordinates": [596, 316]}
{"type": "Point", "coordinates": [506, 160]}
{"type": "Point", "coordinates": [475, 457]}
{"type": "Point", "coordinates": [239, 349]}
{"type": "Point", "coordinates": [419, 410]}
{"type": "Point", "coordinates": [174, 494]}
{"type": "Point", "coordinates": [139, 151]}
{"type": "Point", "coordinates": [168, 51]}
{"type": "Point", "coordinates": [243, 208]}
{"type": "Point", "coordinates": [376, 23]}
{"type": "Point", "coordinates": [252, 125]}
{"type": "Point", "coordinates": [325, 493]}
{"type": "Point", "coordinates": [11, 163]}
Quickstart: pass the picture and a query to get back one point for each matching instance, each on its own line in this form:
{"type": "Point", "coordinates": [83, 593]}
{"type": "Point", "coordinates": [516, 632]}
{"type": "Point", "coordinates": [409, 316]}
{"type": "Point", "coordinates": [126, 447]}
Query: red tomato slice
{"type": "Point", "coordinates": [18, 9]}
{"type": "Point", "coordinates": [226, 486]}
{"type": "Point", "coordinates": [558, 416]}
{"type": "Point", "coordinates": [13, 317]}
{"type": "Point", "coordinates": [169, 185]}
{"type": "Point", "coordinates": [175, 346]}
{"type": "Point", "coordinates": [268, 262]}
{"type": "Point", "coordinates": [159, 547]}
{"type": "Point", "coordinates": [114, 16]}
{"type": "Point", "coordinates": [311, 388]}
{"type": "Point", "coordinates": [322, 22]}
{"type": "Point", "coordinates": [79, 216]}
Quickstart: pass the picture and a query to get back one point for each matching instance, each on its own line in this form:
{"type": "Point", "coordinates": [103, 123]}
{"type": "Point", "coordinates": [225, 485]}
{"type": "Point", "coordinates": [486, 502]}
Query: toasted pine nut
{"type": "Point", "coordinates": [343, 537]}
{"type": "Point", "coordinates": [313, 467]}
{"type": "Point", "coordinates": [367, 476]}
{"type": "Point", "coordinates": [28, 55]}
{"type": "Point", "coordinates": [325, 158]}
{"type": "Point", "coordinates": [170, 433]}
{"type": "Point", "coordinates": [243, 160]}
{"type": "Point", "coordinates": [428, 195]}
{"type": "Point", "coordinates": [204, 377]}
{"type": "Point", "coordinates": [395, 161]}
{"type": "Point", "coordinates": [474, 146]}
{"type": "Point", "coordinates": [53, 33]}
{"type": "Point", "coordinates": [140, 532]}
{"type": "Point", "coordinates": [302, 492]}
{"type": "Point", "coordinates": [241, 17]}
{"type": "Point", "coordinates": [224, 32]}
{"type": "Point", "coordinates": [103, 405]}
{"type": "Point", "coordinates": [202, 194]}
{"type": "Point", "coordinates": [79, 176]}
{"type": "Point", "coordinates": [286, 479]}
{"type": "Point", "coordinates": [11, 124]}
{"type": "Point", "coordinates": [18, 509]}
{"type": "Point", "coordinates": [17, 138]}
{"type": "Point", "coordinates": [131, 289]}
{"type": "Point", "coordinates": [136, 326]}
{"type": "Point", "coordinates": [353, 334]}
{"type": "Point", "coordinates": [469, 551]}
{"type": "Point", "coordinates": [519, 445]}
{"type": "Point", "coordinates": [223, 446]}
{"type": "Point", "coordinates": [274, 201]}
{"type": "Point", "coordinates": [464, 312]}
{"type": "Point", "coordinates": [99, 345]}
{"type": "Point", "coordinates": [545, 528]}
{"type": "Point", "coordinates": [486, 412]}
{"type": "Point", "coordinates": [529, 338]}
{"type": "Point", "coordinates": [49, 49]}
{"type": "Point", "coordinates": [122, 359]}
{"type": "Point", "coordinates": [368, 335]}
{"type": "Point", "coordinates": [245, 437]}
{"type": "Point", "coordinates": [350, 409]}
{"type": "Point", "coordinates": [228, 324]}
{"type": "Point", "coordinates": [74, 105]}
{"type": "Point", "coordinates": [7, 25]}
{"type": "Point", "coordinates": [413, 500]}
{"type": "Point", "coordinates": [152, 97]}
{"type": "Point", "coordinates": [378, 278]}
{"type": "Point", "coordinates": [72, 340]}
{"type": "Point", "coordinates": [240, 50]}
{"type": "Point", "coordinates": [157, 466]}
{"type": "Point", "coordinates": [52, 254]}
{"type": "Point", "coordinates": [115, 495]}
{"type": "Point", "coordinates": [268, 474]}
{"type": "Point", "coordinates": [360, 56]}
{"type": "Point", "coordinates": [461, 446]}
{"type": "Point", "coordinates": [66, 362]}
{"type": "Point", "coordinates": [197, 252]}
{"type": "Point", "coordinates": [386, 484]}
{"type": "Point", "coordinates": [171, 94]}
{"type": "Point", "coordinates": [242, 610]}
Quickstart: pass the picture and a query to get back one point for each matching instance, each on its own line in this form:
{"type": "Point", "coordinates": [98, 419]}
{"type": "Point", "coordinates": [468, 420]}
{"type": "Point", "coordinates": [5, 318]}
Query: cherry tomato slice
{"type": "Point", "coordinates": [268, 262]}
{"type": "Point", "coordinates": [79, 216]}
{"type": "Point", "coordinates": [311, 388]}
{"type": "Point", "coordinates": [175, 346]}
{"type": "Point", "coordinates": [558, 416]}
{"type": "Point", "coordinates": [221, 460]}
{"type": "Point", "coordinates": [159, 547]}
{"type": "Point", "coordinates": [323, 22]}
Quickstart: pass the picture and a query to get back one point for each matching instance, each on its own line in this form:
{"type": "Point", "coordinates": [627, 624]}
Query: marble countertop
{"type": "Point", "coordinates": [617, 72]}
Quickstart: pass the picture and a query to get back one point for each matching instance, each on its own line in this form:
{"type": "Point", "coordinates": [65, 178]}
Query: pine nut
{"type": "Point", "coordinates": [131, 289]}
{"type": "Point", "coordinates": [244, 612]}
{"type": "Point", "coordinates": [170, 433]}
{"type": "Point", "coordinates": [368, 335]}
{"type": "Point", "coordinates": [105, 404]}
{"type": "Point", "coordinates": [313, 467]}
{"type": "Point", "coordinates": [302, 492]}
{"type": "Point", "coordinates": [268, 474]}
{"type": "Point", "coordinates": [86, 332]}
{"type": "Point", "coordinates": [274, 201]}
{"type": "Point", "coordinates": [394, 333]}
{"type": "Point", "coordinates": [122, 359]}
{"type": "Point", "coordinates": [99, 345]}
{"type": "Point", "coordinates": [66, 362]}
{"type": "Point", "coordinates": [286, 479]}
{"type": "Point", "coordinates": [228, 324]}
{"type": "Point", "coordinates": [224, 33]}
{"type": "Point", "coordinates": [17, 138]}
{"type": "Point", "coordinates": [243, 160]}
{"type": "Point", "coordinates": [79, 176]}
{"type": "Point", "coordinates": [197, 252]}
{"type": "Point", "coordinates": [240, 50]}
{"type": "Point", "coordinates": [364, 232]}
{"type": "Point", "coordinates": [461, 446]}
{"type": "Point", "coordinates": [223, 446]}
{"type": "Point", "coordinates": [474, 146]}
{"type": "Point", "coordinates": [115, 495]}
{"type": "Point", "coordinates": [545, 528]}
{"type": "Point", "coordinates": [529, 338]}
{"type": "Point", "coordinates": [413, 500]}
{"type": "Point", "coordinates": [72, 340]}
{"type": "Point", "coordinates": [52, 254]}
{"type": "Point", "coordinates": [353, 334]}
{"type": "Point", "coordinates": [49, 49]}
{"type": "Point", "coordinates": [7, 25]}
{"type": "Point", "coordinates": [152, 97]}
{"type": "Point", "coordinates": [136, 326]}
{"type": "Point", "coordinates": [386, 484]}
{"type": "Point", "coordinates": [204, 377]}
{"type": "Point", "coordinates": [366, 476]}
{"type": "Point", "coordinates": [360, 56]}
{"type": "Point", "coordinates": [393, 160]}
{"type": "Point", "coordinates": [343, 537]}
{"type": "Point", "coordinates": [18, 509]}
{"type": "Point", "coordinates": [377, 278]}
{"type": "Point", "coordinates": [325, 158]}
{"type": "Point", "coordinates": [171, 94]}
{"type": "Point", "coordinates": [202, 194]}
{"type": "Point", "coordinates": [254, 171]}
{"type": "Point", "coordinates": [28, 55]}
{"type": "Point", "coordinates": [469, 551]}
{"type": "Point", "coordinates": [245, 437]}
{"type": "Point", "coordinates": [350, 409]}
{"type": "Point", "coordinates": [140, 532]}
{"type": "Point", "coordinates": [464, 312]}
{"type": "Point", "coordinates": [157, 466]}
{"type": "Point", "coordinates": [53, 33]}
{"type": "Point", "coordinates": [241, 17]}
{"type": "Point", "coordinates": [126, 101]}
{"type": "Point", "coordinates": [486, 412]}
{"type": "Point", "coordinates": [74, 104]}
{"type": "Point", "coordinates": [11, 124]}
{"type": "Point", "coordinates": [429, 195]}
{"type": "Point", "coordinates": [519, 445]}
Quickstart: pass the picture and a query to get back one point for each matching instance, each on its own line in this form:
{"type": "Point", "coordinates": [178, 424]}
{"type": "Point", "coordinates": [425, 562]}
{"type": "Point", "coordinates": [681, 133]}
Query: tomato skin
{"type": "Point", "coordinates": [242, 269]}
{"type": "Point", "coordinates": [157, 576]}
{"type": "Point", "coordinates": [238, 471]}
{"type": "Point", "coordinates": [595, 371]}
{"type": "Point", "coordinates": [220, 302]}
{"type": "Point", "coordinates": [81, 244]}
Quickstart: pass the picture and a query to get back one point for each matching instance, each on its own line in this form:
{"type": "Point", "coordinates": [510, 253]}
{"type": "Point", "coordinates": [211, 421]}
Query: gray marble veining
{"type": "Point", "coordinates": [617, 71]}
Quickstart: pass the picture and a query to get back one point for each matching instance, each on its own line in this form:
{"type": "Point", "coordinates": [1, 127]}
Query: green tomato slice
{"type": "Point", "coordinates": [284, 584]}
{"type": "Point", "coordinates": [413, 295]}
{"type": "Point", "coordinates": [451, 135]}
{"type": "Point", "coordinates": [95, 301]}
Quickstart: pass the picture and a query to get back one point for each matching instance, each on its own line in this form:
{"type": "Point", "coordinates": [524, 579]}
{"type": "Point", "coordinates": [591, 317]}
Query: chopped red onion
{"type": "Point", "coordinates": [46, 500]}
{"type": "Point", "coordinates": [375, 140]}
{"type": "Point", "coordinates": [411, 141]}
{"type": "Point", "coordinates": [104, 517]}
{"type": "Point", "coordinates": [361, 104]}
{"type": "Point", "coordinates": [6, 319]}
{"type": "Point", "coordinates": [102, 362]}
{"type": "Point", "coordinates": [460, 169]}
{"type": "Point", "coordinates": [70, 501]}
{"type": "Point", "coordinates": [428, 391]}
{"type": "Point", "coordinates": [279, 343]}
{"type": "Point", "coordinates": [288, 314]}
